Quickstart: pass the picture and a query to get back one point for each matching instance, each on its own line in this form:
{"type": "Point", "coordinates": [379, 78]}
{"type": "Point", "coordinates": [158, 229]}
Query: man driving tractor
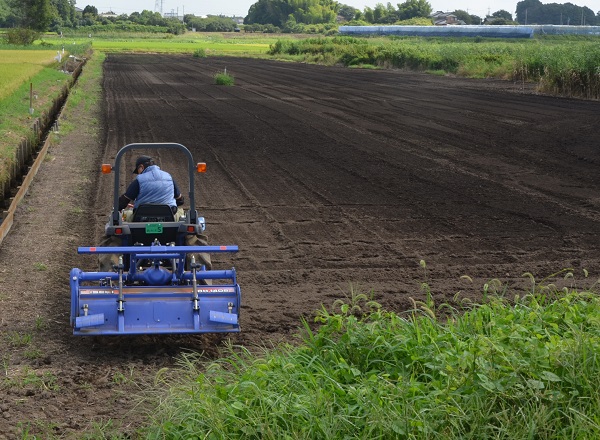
{"type": "Point", "coordinates": [151, 186]}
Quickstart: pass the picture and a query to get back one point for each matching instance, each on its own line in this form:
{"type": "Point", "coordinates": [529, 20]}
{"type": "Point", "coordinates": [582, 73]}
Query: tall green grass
{"type": "Point", "coordinates": [528, 369]}
{"type": "Point", "coordinates": [16, 66]}
{"type": "Point", "coordinates": [37, 71]}
{"type": "Point", "coordinates": [16, 121]}
{"type": "Point", "coordinates": [564, 66]}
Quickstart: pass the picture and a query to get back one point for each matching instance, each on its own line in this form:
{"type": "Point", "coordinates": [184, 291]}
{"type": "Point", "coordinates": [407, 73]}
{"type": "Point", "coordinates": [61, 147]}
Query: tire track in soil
{"type": "Point", "coordinates": [323, 177]}
{"type": "Point", "coordinates": [287, 120]}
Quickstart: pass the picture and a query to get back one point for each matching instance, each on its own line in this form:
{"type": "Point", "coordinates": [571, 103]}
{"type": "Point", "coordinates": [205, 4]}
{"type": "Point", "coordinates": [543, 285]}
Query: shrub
{"type": "Point", "coordinates": [200, 53]}
{"type": "Point", "coordinates": [21, 36]}
{"type": "Point", "coordinates": [223, 79]}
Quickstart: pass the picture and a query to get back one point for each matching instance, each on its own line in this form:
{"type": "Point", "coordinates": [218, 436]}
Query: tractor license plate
{"type": "Point", "coordinates": [154, 228]}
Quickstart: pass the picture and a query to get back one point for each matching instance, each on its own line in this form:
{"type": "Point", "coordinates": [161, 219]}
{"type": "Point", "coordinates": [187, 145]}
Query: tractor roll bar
{"type": "Point", "coordinates": [193, 214]}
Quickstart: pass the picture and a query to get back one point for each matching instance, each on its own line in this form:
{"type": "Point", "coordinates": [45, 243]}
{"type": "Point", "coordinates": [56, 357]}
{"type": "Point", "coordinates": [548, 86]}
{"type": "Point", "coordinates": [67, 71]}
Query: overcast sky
{"type": "Point", "coordinates": [240, 7]}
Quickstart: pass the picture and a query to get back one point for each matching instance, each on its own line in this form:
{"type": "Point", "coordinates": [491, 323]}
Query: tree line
{"type": "Point", "coordinates": [286, 14]}
{"type": "Point", "coordinates": [534, 12]}
{"type": "Point", "coordinates": [25, 19]}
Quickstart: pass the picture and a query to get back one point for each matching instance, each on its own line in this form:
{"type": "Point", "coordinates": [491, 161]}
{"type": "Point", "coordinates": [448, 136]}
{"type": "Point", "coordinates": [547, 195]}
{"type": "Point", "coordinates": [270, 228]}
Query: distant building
{"type": "Point", "coordinates": [173, 14]}
{"type": "Point", "coordinates": [440, 18]}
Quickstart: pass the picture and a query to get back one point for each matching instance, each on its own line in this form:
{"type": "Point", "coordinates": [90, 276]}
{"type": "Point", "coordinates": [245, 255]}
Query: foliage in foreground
{"type": "Point", "coordinates": [530, 369]}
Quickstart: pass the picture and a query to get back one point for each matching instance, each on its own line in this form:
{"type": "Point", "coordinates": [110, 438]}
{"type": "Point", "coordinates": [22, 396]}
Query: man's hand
{"type": "Point", "coordinates": [179, 201]}
{"type": "Point", "coordinates": [123, 202]}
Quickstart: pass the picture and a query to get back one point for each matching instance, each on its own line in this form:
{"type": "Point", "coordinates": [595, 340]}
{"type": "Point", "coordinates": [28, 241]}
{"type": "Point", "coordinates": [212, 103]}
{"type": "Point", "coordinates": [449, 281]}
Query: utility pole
{"type": "Point", "coordinates": [158, 6]}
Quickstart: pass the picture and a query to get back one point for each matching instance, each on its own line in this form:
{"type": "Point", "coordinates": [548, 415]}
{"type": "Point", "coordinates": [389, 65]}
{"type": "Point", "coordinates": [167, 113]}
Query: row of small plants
{"type": "Point", "coordinates": [564, 66]}
{"type": "Point", "coordinates": [525, 368]}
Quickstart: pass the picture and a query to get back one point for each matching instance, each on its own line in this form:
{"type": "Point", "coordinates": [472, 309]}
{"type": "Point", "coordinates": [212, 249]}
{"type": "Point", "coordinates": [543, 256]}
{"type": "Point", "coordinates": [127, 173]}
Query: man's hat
{"type": "Point", "coordinates": [142, 160]}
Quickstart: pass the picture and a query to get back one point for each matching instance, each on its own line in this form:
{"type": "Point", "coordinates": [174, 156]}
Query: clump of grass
{"type": "Point", "coordinates": [40, 266]}
{"type": "Point", "coordinates": [16, 339]}
{"type": "Point", "coordinates": [224, 79]}
{"type": "Point", "coordinates": [40, 381]}
{"type": "Point", "coordinates": [523, 369]}
{"type": "Point", "coordinates": [199, 53]}
{"type": "Point", "coordinates": [39, 323]}
{"type": "Point", "coordinates": [439, 72]}
{"type": "Point", "coordinates": [33, 353]}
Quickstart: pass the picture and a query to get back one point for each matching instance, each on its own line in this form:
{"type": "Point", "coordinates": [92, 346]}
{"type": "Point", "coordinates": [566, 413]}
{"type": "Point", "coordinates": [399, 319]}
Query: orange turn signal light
{"type": "Point", "coordinates": [201, 167]}
{"type": "Point", "coordinates": [118, 231]}
{"type": "Point", "coordinates": [106, 168]}
{"type": "Point", "coordinates": [191, 229]}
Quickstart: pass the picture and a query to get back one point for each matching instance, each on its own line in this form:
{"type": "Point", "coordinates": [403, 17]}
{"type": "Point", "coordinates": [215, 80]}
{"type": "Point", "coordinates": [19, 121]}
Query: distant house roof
{"type": "Point", "coordinates": [440, 18]}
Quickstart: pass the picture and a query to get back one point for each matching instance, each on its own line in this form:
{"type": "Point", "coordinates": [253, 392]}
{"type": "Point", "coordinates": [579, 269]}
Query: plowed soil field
{"type": "Point", "coordinates": [329, 180]}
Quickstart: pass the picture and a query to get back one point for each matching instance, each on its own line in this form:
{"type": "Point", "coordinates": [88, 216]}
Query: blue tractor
{"type": "Point", "coordinates": [157, 285]}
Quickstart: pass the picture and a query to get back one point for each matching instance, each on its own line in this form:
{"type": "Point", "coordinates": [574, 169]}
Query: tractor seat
{"type": "Point", "coordinates": [152, 213]}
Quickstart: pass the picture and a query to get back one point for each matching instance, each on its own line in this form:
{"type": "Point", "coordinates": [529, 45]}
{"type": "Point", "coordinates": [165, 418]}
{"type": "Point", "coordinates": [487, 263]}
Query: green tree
{"type": "Point", "coordinates": [379, 13]}
{"type": "Point", "coordinates": [211, 24]}
{"type": "Point", "coordinates": [148, 18]}
{"type": "Point", "coordinates": [502, 14]}
{"type": "Point", "coordinates": [414, 8]}
{"type": "Point", "coordinates": [534, 12]}
{"type": "Point", "coordinates": [348, 12]}
{"type": "Point", "coordinates": [35, 15]}
{"type": "Point", "coordinates": [89, 16]}
{"type": "Point", "coordinates": [466, 17]}
{"type": "Point", "coordinates": [277, 12]}
{"type": "Point", "coordinates": [90, 10]}
{"type": "Point", "coordinates": [368, 15]}
{"type": "Point", "coordinates": [175, 26]}
{"type": "Point", "coordinates": [63, 14]}
{"type": "Point", "coordinates": [5, 14]}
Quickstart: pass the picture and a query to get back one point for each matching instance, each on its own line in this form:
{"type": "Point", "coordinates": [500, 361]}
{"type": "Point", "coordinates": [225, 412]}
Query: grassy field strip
{"type": "Point", "coordinates": [40, 57]}
{"type": "Point", "coordinates": [170, 46]}
{"type": "Point", "coordinates": [17, 66]}
{"type": "Point", "coordinates": [212, 42]}
{"type": "Point", "coordinates": [561, 66]}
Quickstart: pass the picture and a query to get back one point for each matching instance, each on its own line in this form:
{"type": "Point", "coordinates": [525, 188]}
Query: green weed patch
{"type": "Point", "coordinates": [525, 369]}
{"type": "Point", "coordinates": [562, 66]}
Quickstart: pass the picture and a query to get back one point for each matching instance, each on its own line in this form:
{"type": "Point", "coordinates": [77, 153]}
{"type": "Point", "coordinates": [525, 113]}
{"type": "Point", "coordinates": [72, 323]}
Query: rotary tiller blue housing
{"type": "Point", "coordinates": [157, 286]}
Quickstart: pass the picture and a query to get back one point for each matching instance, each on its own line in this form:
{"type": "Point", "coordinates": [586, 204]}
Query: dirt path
{"type": "Point", "coordinates": [324, 177]}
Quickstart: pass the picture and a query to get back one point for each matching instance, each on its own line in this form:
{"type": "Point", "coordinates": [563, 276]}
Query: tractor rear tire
{"type": "Point", "coordinates": [107, 261]}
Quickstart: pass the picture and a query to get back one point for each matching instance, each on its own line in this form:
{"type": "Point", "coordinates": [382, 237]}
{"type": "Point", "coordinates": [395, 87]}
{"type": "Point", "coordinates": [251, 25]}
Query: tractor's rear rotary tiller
{"type": "Point", "coordinates": [157, 285]}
